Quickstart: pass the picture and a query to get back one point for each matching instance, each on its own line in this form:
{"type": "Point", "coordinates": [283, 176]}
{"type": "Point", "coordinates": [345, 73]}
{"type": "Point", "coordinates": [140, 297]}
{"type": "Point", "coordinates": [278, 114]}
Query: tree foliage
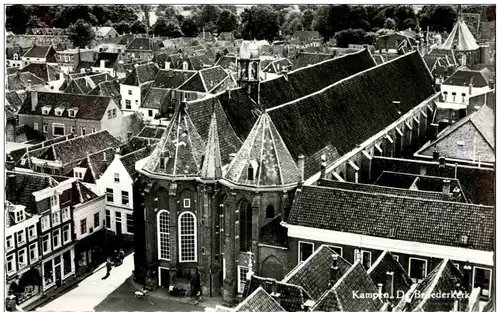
{"type": "Point", "coordinates": [189, 27]}
{"type": "Point", "coordinates": [437, 18]}
{"type": "Point", "coordinates": [122, 27]}
{"type": "Point", "coordinates": [227, 21]}
{"type": "Point", "coordinates": [166, 28]}
{"type": "Point", "coordinates": [138, 27]}
{"type": "Point", "coordinates": [259, 22]}
{"type": "Point", "coordinates": [350, 36]}
{"type": "Point", "coordinates": [390, 23]}
{"type": "Point", "coordinates": [81, 33]}
{"type": "Point", "coordinates": [307, 19]}
{"type": "Point", "coordinates": [292, 23]}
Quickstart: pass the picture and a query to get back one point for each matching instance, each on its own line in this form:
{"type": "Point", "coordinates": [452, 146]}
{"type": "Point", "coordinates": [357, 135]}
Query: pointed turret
{"type": "Point", "coordinates": [212, 166]}
{"type": "Point", "coordinates": [264, 160]}
{"type": "Point", "coordinates": [180, 150]}
{"type": "Point", "coordinates": [460, 38]}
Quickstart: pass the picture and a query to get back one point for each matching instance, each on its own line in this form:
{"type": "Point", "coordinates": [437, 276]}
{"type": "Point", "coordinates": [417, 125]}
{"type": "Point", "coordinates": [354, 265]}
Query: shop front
{"type": "Point", "coordinates": [57, 268]}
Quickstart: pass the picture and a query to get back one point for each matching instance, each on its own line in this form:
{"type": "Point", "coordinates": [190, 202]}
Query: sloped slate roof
{"type": "Point", "coordinates": [99, 161]}
{"type": "Point", "coordinates": [313, 275]}
{"type": "Point", "coordinates": [141, 73]}
{"type": "Point", "coordinates": [89, 106]}
{"type": "Point", "coordinates": [43, 71]}
{"type": "Point", "coordinates": [475, 133]}
{"type": "Point", "coordinates": [109, 59]}
{"type": "Point", "coordinates": [340, 296]}
{"type": "Point", "coordinates": [13, 101]}
{"type": "Point", "coordinates": [155, 97]}
{"type": "Point", "coordinates": [477, 78]}
{"type": "Point", "coordinates": [227, 62]}
{"type": "Point", "coordinates": [228, 140]}
{"type": "Point", "coordinates": [205, 80]}
{"type": "Point", "coordinates": [443, 279]}
{"type": "Point", "coordinates": [19, 81]}
{"type": "Point", "coordinates": [277, 66]}
{"type": "Point", "coordinates": [152, 132]}
{"type": "Point", "coordinates": [181, 147]}
{"type": "Point", "coordinates": [259, 301]}
{"type": "Point", "coordinates": [20, 190]}
{"type": "Point", "coordinates": [412, 219]}
{"type": "Point", "coordinates": [142, 45]}
{"type": "Point", "coordinates": [130, 159]}
{"type": "Point", "coordinates": [38, 51]}
{"type": "Point", "coordinates": [199, 62]}
{"type": "Point", "coordinates": [350, 111]}
{"type": "Point", "coordinates": [171, 79]}
{"type": "Point", "coordinates": [387, 263]}
{"type": "Point", "coordinates": [273, 233]}
{"type": "Point", "coordinates": [304, 59]}
{"type": "Point", "coordinates": [265, 151]}
{"type": "Point", "coordinates": [291, 296]}
{"type": "Point", "coordinates": [107, 88]}
{"type": "Point", "coordinates": [81, 193]}
{"type": "Point", "coordinates": [460, 38]}
{"type": "Point", "coordinates": [376, 189]}
{"type": "Point", "coordinates": [212, 166]}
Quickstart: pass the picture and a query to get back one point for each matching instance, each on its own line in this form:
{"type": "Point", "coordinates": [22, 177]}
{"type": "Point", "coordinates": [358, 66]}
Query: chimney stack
{"type": "Point", "coordinates": [129, 135]}
{"type": "Point", "coordinates": [104, 156]}
{"type": "Point", "coordinates": [323, 166]}
{"type": "Point", "coordinates": [435, 155]}
{"type": "Point", "coordinates": [446, 189]}
{"type": "Point", "coordinates": [334, 270]}
{"type": "Point", "coordinates": [380, 287]}
{"type": "Point", "coordinates": [34, 100]}
{"type": "Point", "coordinates": [389, 283]}
{"type": "Point", "coordinates": [434, 131]}
{"type": "Point", "coordinates": [491, 84]}
{"type": "Point", "coordinates": [9, 164]}
{"type": "Point", "coordinates": [300, 164]}
{"type": "Point", "coordinates": [167, 65]}
{"type": "Point", "coordinates": [61, 76]}
{"type": "Point", "coordinates": [470, 88]}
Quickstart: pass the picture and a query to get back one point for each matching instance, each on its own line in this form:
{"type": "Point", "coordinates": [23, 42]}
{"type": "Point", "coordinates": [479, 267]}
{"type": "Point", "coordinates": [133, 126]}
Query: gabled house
{"type": "Point", "coordinates": [464, 83]}
{"type": "Point", "coordinates": [75, 60]}
{"type": "Point", "coordinates": [106, 63]}
{"type": "Point", "coordinates": [209, 80]}
{"type": "Point", "coordinates": [141, 48]}
{"type": "Point", "coordinates": [57, 114]}
{"type": "Point", "coordinates": [38, 54]}
{"type": "Point", "coordinates": [105, 32]}
{"type": "Point", "coordinates": [135, 86]}
{"type": "Point", "coordinates": [48, 73]}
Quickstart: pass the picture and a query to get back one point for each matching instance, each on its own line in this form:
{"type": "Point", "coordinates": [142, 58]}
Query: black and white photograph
{"type": "Point", "coordinates": [250, 157]}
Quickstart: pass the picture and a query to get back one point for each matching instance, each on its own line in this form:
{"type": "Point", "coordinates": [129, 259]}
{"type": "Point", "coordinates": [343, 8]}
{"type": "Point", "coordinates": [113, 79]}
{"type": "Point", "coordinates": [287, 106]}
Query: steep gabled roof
{"type": "Point", "coordinates": [276, 66]}
{"type": "Point", "coordinates": [461, 77]}
{"type": "Point", "coordinates": [142, 45]}
{"type": "Point", "coordinates": [141, 73]}
{"type": "Point", "coordinates": [212, 166]}
{"type": "Point", "coordinates": [20, 189]}
{"type": "Point", "coordinates": [155, 97]}
{"type": "Point", "coordinates": [313, 275]}
{"type": "Point", "coordinates": [340, 296]}
{"type": "Point", "coordinates": [199, 62]}
{"type": "Point", "coordinates": [266, 153]}
{"type": "Point", "coordinates": [180, 150]}
{"type": "Point", "coordinates": [38, 51]}
{"type": "Point", "coordinates": [43, 71]}
{"type": "Point", "coordinates": [152, 132]}
{"type": "Point", "coordinates": [130, 159]}
{"type": "Point", "coordinates": [304, 59]}
{"type": "Point", "coordinates": [205, 80]}
{"type": "Point", "coordinates": [19, 81]}
{"type": "Point", "coordinates": [470, 139]}
{"type": "Point", "coordinates": [443, 279]}
{"type": "Point", "coordinates": [99, 161]}
{"type": "Point", "coordinates": [259, 301]}
{"type": "Point", "coordinates": [172, 78]}
{"type": "Point", "coordinates": [408, 219]}
{"type": "Point", "coordinates": [81, 193]}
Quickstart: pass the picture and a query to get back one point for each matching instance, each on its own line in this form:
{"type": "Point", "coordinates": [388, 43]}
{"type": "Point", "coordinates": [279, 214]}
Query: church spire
{"type": "Point", "coordinates": [212, 166]}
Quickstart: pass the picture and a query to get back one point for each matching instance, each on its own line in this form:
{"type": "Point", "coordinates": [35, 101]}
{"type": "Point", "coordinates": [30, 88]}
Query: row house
{"type": "Point", "coordinates": [42, 216]}
{"type": "Point", "coordinates": [106, 63]}
{"type": "Point", "coordinates": [133, 89]}
{"type": "Point", "coordinates": [141, 48]}
{"type": "Point", "coordinates": [73, 60]}
{"type": "Point", "coordinates": [39, 54]}
{"type": "Point", "coordinates": [58, 114]}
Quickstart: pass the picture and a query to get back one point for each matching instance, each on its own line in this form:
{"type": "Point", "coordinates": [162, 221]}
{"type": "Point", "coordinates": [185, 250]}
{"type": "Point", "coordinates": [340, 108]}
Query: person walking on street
{"type": "Point", "coordinates": [108, 269]}
{"type": "Point", "coordinates": [121, 254]}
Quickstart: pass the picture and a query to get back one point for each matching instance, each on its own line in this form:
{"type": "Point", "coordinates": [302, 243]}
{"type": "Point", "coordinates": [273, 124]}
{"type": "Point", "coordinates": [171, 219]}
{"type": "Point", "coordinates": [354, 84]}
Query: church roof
{"type": "Point", "coordinates": [212, 166]}
{"type": "Point", "coordinates": [180, 150]}
{"type": "Point", "coordinates": [460, 38]}
{"type": "Point", "coordinates": [263, 160]}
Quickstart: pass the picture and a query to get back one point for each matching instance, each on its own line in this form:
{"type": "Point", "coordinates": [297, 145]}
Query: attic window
{"type": "Point", "coordinates": [72, 112]}
{"type": "Point", "coordinates": [460, 143]}
{"type": "Point", "coordinates": [19, 214]}
{"type": "Point", "coordinates": [464, 239]}
{"type": "Point", "coordinates": [59, 111]}
{"type": "Point", "coordinates": [46, 110]}
{"type": "Point", "coordinates": [250, 173]}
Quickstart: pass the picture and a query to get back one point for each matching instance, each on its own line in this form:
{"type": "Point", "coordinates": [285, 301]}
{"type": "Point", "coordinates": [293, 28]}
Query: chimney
{"type": "Point", "coordinates": [334, 270]}
{"type": "Point", "coordinates": [397, 105]}
{"type": "Point", "coordinates": [470, 88]}
{"type": "Point", "coordinates": [434, 131]}
{"type": "Point", "coordinates": [29, 84]}
{"type": "Point", "coordinates": [380, 286]}
{"type": "Point", "coordinates": [9, 164]}
{"type": "Point", "coordinates": [442, 161]}
{"type": "Point", "coordinates": [446, 189]}
{"type": "Point", "coordinates": [61, 76]}
{"type": "Point", "coordinates": [300, 164]}
{"type": "Point", "coordinates": [117, 152]}
{"type": "Point", "coordinates": [167, 65]}
{"type": "Point", "coordinates": [435, 155]}
{"type": "Point", "coordinates": [389, 283]}
{"type": "Point", "coordinates": [103, 63]}
{"type": "Point", "coordinates": [323, 166]}
{"type": "Point", "coordinates": [104, 156]}
{"type": "Point", "coordinates": [34, 100]}
{"type": "Point", "coordinates": [232, 156]}
{"type": "Point", "coordinates": [491, 84]}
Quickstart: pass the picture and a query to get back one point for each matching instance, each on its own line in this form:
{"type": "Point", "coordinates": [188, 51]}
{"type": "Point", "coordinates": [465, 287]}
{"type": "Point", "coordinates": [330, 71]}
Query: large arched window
{"type": "Point", "coordinates": [187, 237]}
{"type": "Point", "coordinates": [163, 226]}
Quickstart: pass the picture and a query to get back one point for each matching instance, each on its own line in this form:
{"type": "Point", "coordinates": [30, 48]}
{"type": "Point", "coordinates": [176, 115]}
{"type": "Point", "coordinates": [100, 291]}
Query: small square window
{"type": "Point", "coordinates": [129, 92]}
{"type": "Point", "coordinates": [117, 177]}
{"type": "Point", "coordinates": [187, 203]}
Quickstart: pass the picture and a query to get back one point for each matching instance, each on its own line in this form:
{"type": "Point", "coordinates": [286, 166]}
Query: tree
{"type": "Point", "coordinates": [390, 23]}
{"type": "Point", "coordinates": [122, 27]}
{"type": "Point", "coordinates": [101, 13]}
{"type": "Point", "coordinates": [17, 17]}
{"type": "Point", "coordinates": [71, 14]}
{"type": "Point", "coordinates": [293, 22]}
{"type": "Point", "coordinates": [81, 33]}
{"type": "Point", "coordinates": [259, 22]}
{"type": "Point", "coordinates": [307, 7]}
{"type": "Point", "coordinates": [146, 9]}
{"type": "Point", "coordinates": [138, 27]}
{"type": "Point", "coordinates": [350, 36]}
{"type": "Point", "coordinates": [118, 13]}
{"type": "Point", "coordinates": [230, 8]}
{"type": "Point", "coordinates": [401, 14]}
{"type": "Point", "coordinates": [379, 19]}
{"type": "Point", "coordinates": [206, 16]}
{"type": "Point", "coordinates": [490, 13]}
{"type": "Point", "coordinates": [227, 21]}
{"type": "Point", "coordinates": [339, 17]}
{"type": "Point", "coordinates": [35, 22]}
{"type": "Point", "coordinates": [189, 28]}
{"type": "Point", "coordinates": [166, 28]}
{"type": "Point", "coordinates": [307, 19]}
{"type": "Point", "coordinates": [321, 22]}
{"type": "Point", "coordinates": [409, 23]}
{"type": "Point", "coordinates": [437, 18]}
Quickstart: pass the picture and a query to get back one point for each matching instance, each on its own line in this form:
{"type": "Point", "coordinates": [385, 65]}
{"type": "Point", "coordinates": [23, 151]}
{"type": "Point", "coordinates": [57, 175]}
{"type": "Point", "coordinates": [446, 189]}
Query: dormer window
{"type": "Point", "coordinates": [59, 111]}
{"type": "Point", "coordinates": [46, 110]}
{"type": "Point", "coordinates": [16, 57]}
{"type": "Point", "coordinates": [19, 214]}
{"type": "Point", "coordinates": [79, 172]}
{"type": "Point", "coordinates": [252, 170]}
{"type": "Point", "coordinates": [72, 112]}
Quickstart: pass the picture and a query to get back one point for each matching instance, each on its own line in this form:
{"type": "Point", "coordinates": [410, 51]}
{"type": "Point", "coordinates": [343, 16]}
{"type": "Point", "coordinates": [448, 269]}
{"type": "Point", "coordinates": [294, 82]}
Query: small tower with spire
{"type": "Point", "coordinates": [248, 68]}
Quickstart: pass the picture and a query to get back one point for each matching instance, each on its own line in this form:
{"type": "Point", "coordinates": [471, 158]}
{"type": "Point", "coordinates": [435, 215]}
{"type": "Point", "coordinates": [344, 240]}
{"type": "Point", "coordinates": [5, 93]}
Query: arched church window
{"type": "Point", "coordinates": [163, 227]}
{"type": "Point", "coordinates": [187, 237]}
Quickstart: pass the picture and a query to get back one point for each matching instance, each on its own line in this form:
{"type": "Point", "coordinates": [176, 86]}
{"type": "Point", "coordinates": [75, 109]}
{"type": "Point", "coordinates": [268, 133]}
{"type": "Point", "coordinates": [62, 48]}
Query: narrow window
{"type": "Point", "coordinates": [305, 251]}
{"type": "Point", "coordinates": [163, 220]}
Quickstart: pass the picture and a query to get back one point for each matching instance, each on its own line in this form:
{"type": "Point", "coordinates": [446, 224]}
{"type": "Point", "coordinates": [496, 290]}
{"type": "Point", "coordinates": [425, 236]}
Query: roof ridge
{"type": "Point", "coordinates": [341, 80]}
{"type": "Point", "coordinates": [435, 280]}
{"type": "Point", "coordinates": [377, 262]}
{"type": "Point", "coordinates": [405, 197]}
{"type": "Point", "coordinates": [329, 60]}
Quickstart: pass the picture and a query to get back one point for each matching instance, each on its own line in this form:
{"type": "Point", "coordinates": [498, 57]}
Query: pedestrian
{"type": "Point", "coordinates": [108, 269]}
{"type": "Point", "coordinates": [121, 254]}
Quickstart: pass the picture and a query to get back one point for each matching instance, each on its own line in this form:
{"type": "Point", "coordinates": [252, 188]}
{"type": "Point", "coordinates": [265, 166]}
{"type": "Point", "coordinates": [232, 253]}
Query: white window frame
{"type": "Point", "coordinates": [369, 252]}
{"type": "Point", "coordinates": [35, 248]}
{"type": "Point", "coordinates": [240, 291]}
{"type": "Point", "coordinates": [46, 110]}
{"type": "Point", "coordinates": [83, 131]}
{"type": "Point", "coordinates": [45, 127]}
{"type": "Point", "coordinates": [45, 222]}
{"type": "Point", "coordinates": [21, 217]}
{"type": "Point", "coordinates": [420, 259]}
{"type": "Point", "coordinates": [10, 239]}
{"type": "Point", "coordinates": [65, 228]}
{"type": "Point", "coordinates": [167, 233]}
{"type": "Point", "coordinates": [23, 263]}
{"type": "Point", "coordinates": [299, 250]}
{"type": "Point", "coordinates": [56, 233]}
{"type": "Point", "coordinates": [56, 218]}
{"type": "Point", "coordinates": [195, 237]}
{"type": "Point", "coordinates": [82, 228]}
{"type": "Point", "coordinates": [341, 249]}
{"type": "Point", "coordinates": [32, 229]}
{"type": "Point", "coordinates": [474, 278]}
{"type": "Point", "coordinates": [127, 197]}
{"type": "Point", "coordinates": [186, 203]}
{"type": "Point", "coordinates": [35, 126]}
{"type": "Point", "coordinates": [112, 195]}
{"type": "Point", "coordinates": [23, 236]}
{"type": "Point", "coordinates": [65, 214]}
{"type": "Point", "coordinates": [54, 201]}
{"type": "Point", "coordinates": [14, 269]}
{"type": "Point", "coordinates": [116, 177]}
{"type": "Point", "coordinates": [54, 125]}
{"type": "Point", "coordinates": [59, 111]}
{"type": "Point", "coordinates": [49, 249]}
